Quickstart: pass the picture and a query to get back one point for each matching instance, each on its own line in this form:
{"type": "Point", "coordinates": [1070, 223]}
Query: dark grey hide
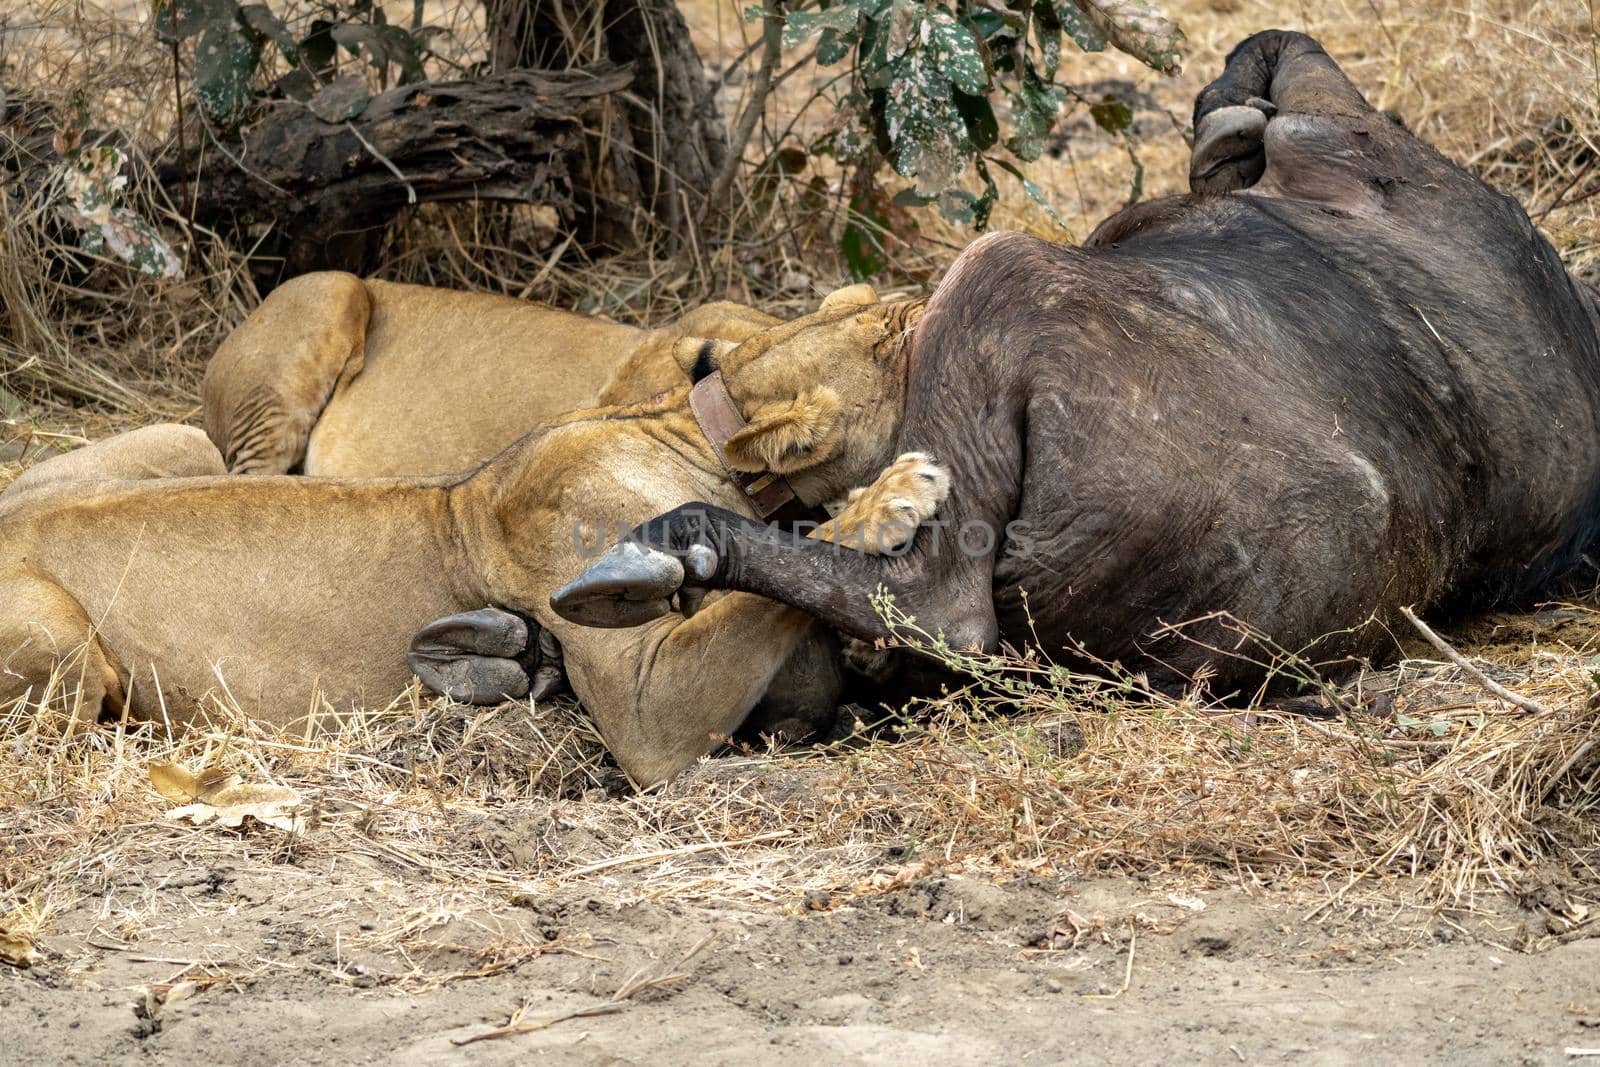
{"type": "Point", "coordinates": [1340, 377]}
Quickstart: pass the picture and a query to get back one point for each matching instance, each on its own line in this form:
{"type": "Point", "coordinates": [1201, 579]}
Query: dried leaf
{"type": "Point", "coordinates": [91, 180]}
{"type": "Point", "coordinates": [340, 101]}
{"type": "Point", "coordinates": [218, 796]}
{"type": "Point", "coordinates": [16, 949]}
{"type": "Point", "coordinates": [1139, 29]}
{"type": "Point", "coordinates": [180, 786]}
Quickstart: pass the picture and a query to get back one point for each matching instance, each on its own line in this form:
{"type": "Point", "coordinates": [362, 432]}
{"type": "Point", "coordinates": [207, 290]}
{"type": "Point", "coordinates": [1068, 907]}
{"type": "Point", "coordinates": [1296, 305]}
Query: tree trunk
{"type": "Point", "coordinates": [666, 141]}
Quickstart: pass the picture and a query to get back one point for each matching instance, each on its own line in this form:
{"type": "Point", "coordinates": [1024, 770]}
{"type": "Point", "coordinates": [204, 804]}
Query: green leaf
{"type": "Point", "coordinates": [958, 206]}
{"type": "Point", "coordinates": [1034, 107]}
{"type": "Point", "coordinates": [224, 68]}
{"type": "Point", "coordinates": [876, 70]}
{"type": "Point", "coordinates": [834, 46]}
{"type": "Point", "coordinates": [927, 131]}
{"type": "Point", "coordinates": [863, 254]}
{"type": "Point", "coordinates": [1136, 190]}
{"type": "Point", "coordinates": [317, 47]}
{"type": "Point", "coordinates": [1047, 33]}
{"type": "Point", "coordinates": [403, 51]}
{"type": "Point", "coordinates": [268, 25]}
{"type": "Point", "coordinates": [800, 26]}
{"type": "Point", "coordinates": [993, 24]}
{"type": "Point", "coordinates": [1080, 27]}
{"type": "Point", "coordinates": [911, 198]}
{"type": "Point", "coordinates": [1111, 114]}
{"type": "Point", "coordinates": [958, 53]}
{"type": "Point", "coordinates": [983, 129]}
{"type": "Point", "coordinates": [356, 37]}
{"type": "Point", "coordinates": [342, 100]}
{"type": "Point", "coordinates": [193, 16]}
{"type": "Point", "coordinates": [296, 85]}
{"type": "Point", "coordinates": [991, 196]}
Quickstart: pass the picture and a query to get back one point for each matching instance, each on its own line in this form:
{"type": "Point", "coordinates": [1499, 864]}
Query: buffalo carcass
{"type": "Point", "coordinates": [1340, 377]}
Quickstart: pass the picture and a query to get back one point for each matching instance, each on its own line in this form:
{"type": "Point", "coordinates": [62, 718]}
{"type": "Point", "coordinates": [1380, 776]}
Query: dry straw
{"type": "Point", "coordinates": [1452, 794]}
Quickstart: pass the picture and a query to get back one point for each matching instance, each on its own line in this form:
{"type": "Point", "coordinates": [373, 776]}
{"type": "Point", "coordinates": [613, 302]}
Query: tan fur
{"type": "Point", "coordinates": [304, 593]}
{"type": "Point", "coordinates": [161, 451]}
{"type": "Point", "coordinates": [336, 375]}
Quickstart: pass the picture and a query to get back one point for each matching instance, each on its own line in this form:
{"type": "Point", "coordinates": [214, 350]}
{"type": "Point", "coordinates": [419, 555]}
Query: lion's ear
{"type": "Point", "coordinates": [699, 356]}
{"type": "Point", "coordinates": [850, 296]}
{"type": "Point", "coordinates": [787, 435]}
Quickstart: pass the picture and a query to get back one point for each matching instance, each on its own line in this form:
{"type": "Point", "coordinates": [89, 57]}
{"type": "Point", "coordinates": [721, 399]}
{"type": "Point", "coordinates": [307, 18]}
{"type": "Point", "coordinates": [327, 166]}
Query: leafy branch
{"type": "Point", "coordinates": [931, 81]}
{"type": "Point", "coordinates": [233, 36]}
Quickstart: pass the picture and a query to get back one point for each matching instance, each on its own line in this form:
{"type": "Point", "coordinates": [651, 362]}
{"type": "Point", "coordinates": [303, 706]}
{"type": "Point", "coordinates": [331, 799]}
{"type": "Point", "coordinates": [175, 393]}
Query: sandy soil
{"type": "Point", "coordinates": [297, 958]}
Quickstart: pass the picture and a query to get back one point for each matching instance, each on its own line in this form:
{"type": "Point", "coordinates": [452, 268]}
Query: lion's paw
{"type": "Point", "coordinates": [884, 516]}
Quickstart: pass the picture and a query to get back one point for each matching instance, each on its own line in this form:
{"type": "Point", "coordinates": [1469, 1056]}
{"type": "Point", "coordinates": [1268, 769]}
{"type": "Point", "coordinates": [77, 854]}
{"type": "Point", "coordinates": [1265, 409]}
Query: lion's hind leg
{"type": "Point", "coordinates": [165, 450]}
{"type": "Point", "coordinates": [271, 377]}
{"type": "Point", "coordinates": [51, 655]}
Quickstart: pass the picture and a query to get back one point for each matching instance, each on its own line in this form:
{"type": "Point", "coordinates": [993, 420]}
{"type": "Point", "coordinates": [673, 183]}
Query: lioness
{"type": "Point", "coordinates": [338, 375]}
{"type": "Point", "coordinates": [286, 595]}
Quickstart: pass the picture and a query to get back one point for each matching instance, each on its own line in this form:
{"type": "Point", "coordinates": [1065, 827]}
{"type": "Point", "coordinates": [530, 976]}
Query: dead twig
{"type": "Point", "coordinates": [1477, 673]}
{"type": "Point", "coordinates": [1127, 974]}
{"type": "Point", "coordinates": [772, 32]}
{"type": "Point", "coordinates": [637, 983]}
{"type": "Point", "coordinates": [666, 853]}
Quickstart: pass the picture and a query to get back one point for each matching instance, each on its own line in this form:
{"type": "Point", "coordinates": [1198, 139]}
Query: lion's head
{"type": "Point", "coordinates": [822, 395]}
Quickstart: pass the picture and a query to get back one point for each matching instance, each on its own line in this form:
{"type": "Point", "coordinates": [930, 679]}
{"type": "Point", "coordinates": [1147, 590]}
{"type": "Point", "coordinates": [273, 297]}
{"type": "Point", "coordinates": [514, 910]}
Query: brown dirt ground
{"type": "Point", "coordinates": [350, 943]}
{"type": "Point", "coordinates": [944, 969]}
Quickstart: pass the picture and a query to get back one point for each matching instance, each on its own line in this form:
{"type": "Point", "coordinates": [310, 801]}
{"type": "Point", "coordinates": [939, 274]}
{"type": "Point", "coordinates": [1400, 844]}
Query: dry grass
{"type": "Point", "coordinates": [1455, 796]}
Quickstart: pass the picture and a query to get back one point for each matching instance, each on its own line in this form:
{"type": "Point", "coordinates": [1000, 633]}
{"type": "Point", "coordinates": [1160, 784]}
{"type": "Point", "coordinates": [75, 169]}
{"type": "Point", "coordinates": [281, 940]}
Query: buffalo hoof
{"type": "Point", "coordinates": [1228, 153]}
{"type": "Point", "coordinates": [699, 564]}
{"type": "Point", "coordinates": [549, 675]}
{"type": "Point", "coordinates": [628, 586]}
{"type": "Point", "coordinates": [472, 657]}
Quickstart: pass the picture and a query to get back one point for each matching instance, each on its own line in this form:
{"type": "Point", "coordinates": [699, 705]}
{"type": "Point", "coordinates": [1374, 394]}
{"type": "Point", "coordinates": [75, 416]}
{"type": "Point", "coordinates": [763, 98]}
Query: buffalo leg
{"type": "Point", "coordinates": [1270, 74]}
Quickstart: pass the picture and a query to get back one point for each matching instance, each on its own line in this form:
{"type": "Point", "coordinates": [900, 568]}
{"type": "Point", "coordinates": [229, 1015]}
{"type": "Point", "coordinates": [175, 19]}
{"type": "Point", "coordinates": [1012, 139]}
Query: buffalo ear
{"type": "Point", "coordinates": [699, 356]}
{"type": "Point", "coordinates": [860, 295]}
{"type": "Point", "coordinates": [787, 435]}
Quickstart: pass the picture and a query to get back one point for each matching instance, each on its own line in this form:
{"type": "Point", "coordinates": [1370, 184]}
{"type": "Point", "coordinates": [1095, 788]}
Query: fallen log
{"type": "Point", "coordinates": [329, 187]}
